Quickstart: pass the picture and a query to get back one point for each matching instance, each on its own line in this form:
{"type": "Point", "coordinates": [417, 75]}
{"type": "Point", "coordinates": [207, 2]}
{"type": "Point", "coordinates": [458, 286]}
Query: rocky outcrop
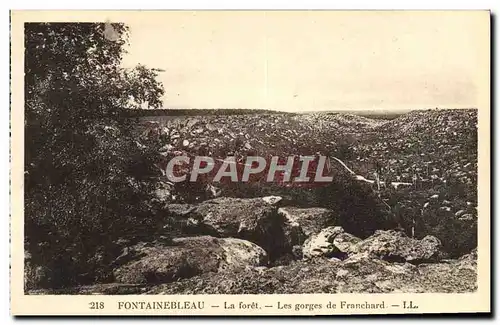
{"type": "Point", "coordinates": [389, 245]}
{"type": "Point", "coordinates": [256, 220]}
{"type": "Point", "coordinates": [296, 232]}
{"type": "Point", "coordinates": [359, 273]}
{"type": "Point", "coordinates": [394, 245]}
{"type": "Point", "coordinates": [279, 230]}
{"type": "Point", "coordinates": [187, 257]}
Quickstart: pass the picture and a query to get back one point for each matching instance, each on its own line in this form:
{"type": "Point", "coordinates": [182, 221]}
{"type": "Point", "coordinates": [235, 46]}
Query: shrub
{"type": "Point", "coordinates": [83, 186]}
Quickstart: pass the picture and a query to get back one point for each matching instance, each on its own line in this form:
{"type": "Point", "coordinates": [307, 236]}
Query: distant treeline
{"type": "Point", "coordinates": [198, 112]}
{"type": "Point", "coordinates": [383, 115]}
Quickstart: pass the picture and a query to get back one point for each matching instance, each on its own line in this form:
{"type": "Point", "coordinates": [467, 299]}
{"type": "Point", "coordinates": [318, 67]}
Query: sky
{"type": "Point", "coordinates": [313, 60]}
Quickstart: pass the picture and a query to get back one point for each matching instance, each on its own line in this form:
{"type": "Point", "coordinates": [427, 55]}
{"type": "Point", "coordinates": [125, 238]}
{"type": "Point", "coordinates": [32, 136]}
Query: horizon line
{"type": "Point", "coordinates": [343, 110]}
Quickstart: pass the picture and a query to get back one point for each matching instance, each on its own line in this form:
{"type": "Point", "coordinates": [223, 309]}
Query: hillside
{"type": "Point", "coordinates": [278, 133]}
{"type": "Point", "coordinates": [402, 147]}
{"type": "Point", "coordinates": [413, 230]}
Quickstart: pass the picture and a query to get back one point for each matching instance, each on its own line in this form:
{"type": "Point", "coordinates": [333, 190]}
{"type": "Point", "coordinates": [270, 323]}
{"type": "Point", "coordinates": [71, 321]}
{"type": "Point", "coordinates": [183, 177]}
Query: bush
{"type": "Point", "coordinates": [84, 173]}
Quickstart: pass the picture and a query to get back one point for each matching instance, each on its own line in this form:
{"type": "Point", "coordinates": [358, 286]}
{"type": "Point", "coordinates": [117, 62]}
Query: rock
{"type": "Point", "coordinates": [185, 143]}
{"type": "Point", "coordinates": [346, 243]}
{"type": "Point", "coordinates": [162, 194]}
{"type": "Point", "coordinates": [459, 213]}
{"type": "Point", "coordinates": [192, 122]}
{"type": "Point", "coordinates": [211, 127]}
{"type": "Point", "coordinates": [311, 220]}
{"type": "Point", "coordinates": [272, 199]}
{"type": "Point", "coordinates": [297, 252]}
{"type": "Point", "coordinates": [330, 242]}
{"type": "Point", "coordinates": [240, 254]}
{"type": "Point", "coordinates": [168, 147]}
{"type": "Point", "coordinates": [213, 191]}
{"type": "Point", "coordinates": [187, 257]}
{"type": "Point", "coordinates": [230, 216]}
{"type": "Point", "coordinates": [165, 130]}
{"type": "Point", "coordinates": [250, 219]}
{"type": "Point", "coordinates": [394, 245]}
{"type": "Point", "coordinates": [359, 273]}
{"type": "Point", "coordinates": [139, 145]}
{"type": "Point", "coordinates": [466, 217]}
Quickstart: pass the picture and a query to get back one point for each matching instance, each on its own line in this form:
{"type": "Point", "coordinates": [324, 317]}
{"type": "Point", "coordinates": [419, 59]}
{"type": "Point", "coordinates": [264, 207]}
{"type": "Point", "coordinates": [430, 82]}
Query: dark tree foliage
{"type": "Point", "coordinates": [83, 169]}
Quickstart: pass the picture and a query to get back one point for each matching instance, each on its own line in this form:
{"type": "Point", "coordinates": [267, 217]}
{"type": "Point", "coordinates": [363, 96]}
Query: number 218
{"type": "Point", "coordinates": [96, 305]}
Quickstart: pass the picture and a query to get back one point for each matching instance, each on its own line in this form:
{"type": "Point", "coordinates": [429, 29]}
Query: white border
{"type": "Point", "coordinates": [191, 4]}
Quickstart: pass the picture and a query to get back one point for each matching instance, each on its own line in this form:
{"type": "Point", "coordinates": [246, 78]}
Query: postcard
{"type": "Point", "coordinates": [299, 163]}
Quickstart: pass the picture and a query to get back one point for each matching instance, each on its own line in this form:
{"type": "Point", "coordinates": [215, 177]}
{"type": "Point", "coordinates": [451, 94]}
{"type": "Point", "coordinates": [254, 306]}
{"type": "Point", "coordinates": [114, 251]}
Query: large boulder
{"type": "Point", "coordinates": [272, 199]}
{"type": "Point", "coordinates": [394, 245]}
{"type": "Point", "coordinates": [241, 254]}
{"type": "Point", "coordinates": [186, 257]}
{"type": "Point", "coordinates": [254, 220]}
{"type": "Point", "coordinates": [330, 242]}
{"type": "Point", "coordinates": [231, 217]}
{"type": "Point", "coordinates": [311, 220]}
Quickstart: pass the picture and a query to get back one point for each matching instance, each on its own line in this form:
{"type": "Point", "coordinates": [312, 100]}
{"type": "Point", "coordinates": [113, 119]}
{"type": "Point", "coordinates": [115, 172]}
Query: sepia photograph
{"type": "Point", "coordinates": [168, 156]}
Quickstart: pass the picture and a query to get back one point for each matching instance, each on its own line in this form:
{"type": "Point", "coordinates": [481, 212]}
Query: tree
{"type": "Point", "coordinates": [83, 169]}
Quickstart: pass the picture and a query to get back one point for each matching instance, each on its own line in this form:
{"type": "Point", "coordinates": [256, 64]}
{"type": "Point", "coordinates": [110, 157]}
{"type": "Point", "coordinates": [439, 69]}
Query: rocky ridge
{"type": "Point", "coordinates": [224, 256]}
